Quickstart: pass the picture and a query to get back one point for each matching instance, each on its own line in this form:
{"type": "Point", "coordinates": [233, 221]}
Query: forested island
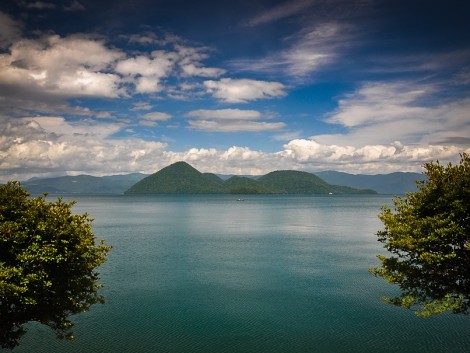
{"type": "Point", "coordinates": [182, 178]}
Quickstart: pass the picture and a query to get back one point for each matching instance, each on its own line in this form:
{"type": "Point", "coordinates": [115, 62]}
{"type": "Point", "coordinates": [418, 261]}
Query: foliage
{"type": "Point", "coordinates": [244, 185]}
{"type": "Point", "coordinates": [178, 178]}
{"type": "Point", "coordinates": [429, 238]}
{"type": "Point", "coordinates": [296, 182]}
{"type": "Point", "coordinates": [48, 258]}
{"type": "Point", "coordinates": [181, 178]}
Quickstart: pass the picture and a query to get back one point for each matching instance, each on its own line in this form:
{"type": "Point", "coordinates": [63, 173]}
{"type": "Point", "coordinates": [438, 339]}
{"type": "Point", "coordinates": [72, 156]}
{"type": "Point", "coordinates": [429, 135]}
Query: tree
{"type": "Point", "coordinates": [48, 258]}
{"type": "Point", "coordinates": [428, 236]}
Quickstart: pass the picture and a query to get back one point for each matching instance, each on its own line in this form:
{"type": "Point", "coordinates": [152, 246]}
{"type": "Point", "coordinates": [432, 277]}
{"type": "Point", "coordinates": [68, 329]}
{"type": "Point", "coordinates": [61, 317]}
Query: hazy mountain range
{"type": "Point", "coordinates": [394, 183]}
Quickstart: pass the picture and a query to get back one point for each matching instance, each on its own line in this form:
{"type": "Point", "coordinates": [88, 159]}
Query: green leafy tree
{"type": "Point", "coordinates": [48, 258]}
{"type": "Point", "coordinates": [428, 236]}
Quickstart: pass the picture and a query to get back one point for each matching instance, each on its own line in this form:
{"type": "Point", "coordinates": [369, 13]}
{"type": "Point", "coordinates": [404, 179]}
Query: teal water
{"type": "Point", "coordinates": [268, 274]}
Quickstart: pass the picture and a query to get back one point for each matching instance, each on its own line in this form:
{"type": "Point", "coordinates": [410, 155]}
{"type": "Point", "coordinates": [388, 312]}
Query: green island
{"type": "Point", "coordinates": [182, 178]}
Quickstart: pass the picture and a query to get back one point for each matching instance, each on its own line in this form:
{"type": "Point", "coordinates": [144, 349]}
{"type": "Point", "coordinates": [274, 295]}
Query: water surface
{"type": "Point", "coordinates": [267, 274]}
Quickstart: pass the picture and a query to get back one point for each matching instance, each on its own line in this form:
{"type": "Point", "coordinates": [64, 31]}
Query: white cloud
{"type": "Point", "coordinates": [379, 113]}
{"type": "Point", "coordinates": [148, 85]}
{"type": "Point", "coordinates": [59, 127]}
{"type": "Point", "coordinates": [142, 106]}
{"type": "Point", "coordinates": [192, 69]}
{"type": "Point", "coordinates": [234, 125]}
{"type": "Point", "coordinates": [374, 102]}
{"type": "Point", "coordinates": [158, 65]}
{"type": "Point", "coordinates": [367, 159]}
{"type": "Point", "coordinates": [151, 119]}
{"type": "Point", "coordinates": [311, 49]}
{"type": "Point", "coordinates": [146, 72]}
{"type": "Point", "coordinates": [71, 66]}
{"type": "Point", "coordinates": [53, 146]}
{"type": "Point", "coordinates": [287, 136]}
{"type": "Point", "coordinates": [243, 90]}
{"type": "Point", "coordinates": [230, 120]}
{"type": "Point", "coordinates": [148, 38]}
{"type": "Point", "coordinates": [223, 114]}
{"type": "Point", "coordinates": [190, 62]}
{"type": "Point", "coordinates": [156, 116]}
{"type": "Point", "coordinates": [315, 47]}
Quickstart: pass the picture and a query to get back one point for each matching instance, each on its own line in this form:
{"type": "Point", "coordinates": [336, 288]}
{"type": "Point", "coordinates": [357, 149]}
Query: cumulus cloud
{"type": "Point", "coordinates": [146, 72]}
{"type": "Point", "coordinates": [159, 64]}
{"type": "Point", "coordinates": [53, 68]}
{"type": "Point", "coordinates": [71, 66]}
{"type": "Point", "coordinates": [308, 155]}
{"type": "Point", "coordinates": [190, 62]}
{"type": "Point", "coordinates": [243, 90]}
{"type": "Point", "coordinates": [52, 146]}
{"type": "Point", "coordinates": [366, 159]}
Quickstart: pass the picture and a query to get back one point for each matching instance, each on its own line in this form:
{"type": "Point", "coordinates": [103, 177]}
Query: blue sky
{"type": "Point", "coordinates": [243, 87]}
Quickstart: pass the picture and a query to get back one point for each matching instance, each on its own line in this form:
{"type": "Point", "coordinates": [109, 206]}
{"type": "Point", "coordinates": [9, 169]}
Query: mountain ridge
{"type": "Point", "coordinates": [182, 178]}
{"type": "Point", "coordinates": [392, 183]}
{"type": "Point", "coordinates": [397, 183]}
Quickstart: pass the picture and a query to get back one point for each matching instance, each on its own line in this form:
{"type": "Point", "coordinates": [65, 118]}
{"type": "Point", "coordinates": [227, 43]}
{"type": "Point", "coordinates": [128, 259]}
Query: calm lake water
{"type": "Point", "coordinates": [268, 274]}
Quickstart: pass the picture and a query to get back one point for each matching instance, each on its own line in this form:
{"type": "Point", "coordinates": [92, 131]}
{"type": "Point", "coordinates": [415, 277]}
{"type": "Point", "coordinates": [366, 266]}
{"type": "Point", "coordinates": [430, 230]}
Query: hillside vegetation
{"type": "Point", "coordinates": [181, 178]}
{"type": "Point", "coordinates": [395, 183]}
{"type": "Point", "coordinates": [178, 178]}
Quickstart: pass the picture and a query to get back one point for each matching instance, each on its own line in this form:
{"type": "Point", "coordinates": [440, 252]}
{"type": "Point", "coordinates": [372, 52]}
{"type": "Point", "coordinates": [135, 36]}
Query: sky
{"type": "Point", "coordinates": [232, 87]}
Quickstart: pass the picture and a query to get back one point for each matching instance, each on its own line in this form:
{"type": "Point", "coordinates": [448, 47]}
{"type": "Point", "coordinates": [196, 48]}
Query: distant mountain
{"type": "Point", "coordinates": [295, 182]}
{"type": "Point", "coordinates": [178, 178]}
{"type": "Point", "coordinates": [394, 183]}
{"type": "Point", "coordinates": [245, 185]}
{"type": "Point", "coordinates": [82, 184]}
{"type": "Point", "coordinates": [181, 178]}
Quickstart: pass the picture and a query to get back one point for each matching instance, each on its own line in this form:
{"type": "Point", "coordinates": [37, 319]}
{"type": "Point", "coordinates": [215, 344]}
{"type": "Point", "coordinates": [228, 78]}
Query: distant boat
{"type": "Point", "coordinates": [330, 193]}
{"type": "Point", "coordinates": [240, 199]}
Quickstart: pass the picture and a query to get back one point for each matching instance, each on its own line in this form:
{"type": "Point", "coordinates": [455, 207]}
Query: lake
{"type": "Point", "coordinates": [267, 274]}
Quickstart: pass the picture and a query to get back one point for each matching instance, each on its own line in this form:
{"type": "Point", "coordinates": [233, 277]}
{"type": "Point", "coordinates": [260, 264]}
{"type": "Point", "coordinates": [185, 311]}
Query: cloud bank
{"type": "Point", "coordinates": [51, 146]}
